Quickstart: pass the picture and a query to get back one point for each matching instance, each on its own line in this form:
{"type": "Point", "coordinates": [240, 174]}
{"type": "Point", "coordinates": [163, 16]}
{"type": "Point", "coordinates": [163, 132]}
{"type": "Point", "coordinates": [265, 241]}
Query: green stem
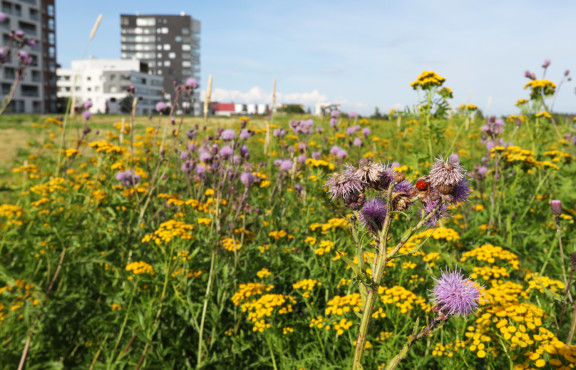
{"type": "Point", "coordinates": [205, 308]}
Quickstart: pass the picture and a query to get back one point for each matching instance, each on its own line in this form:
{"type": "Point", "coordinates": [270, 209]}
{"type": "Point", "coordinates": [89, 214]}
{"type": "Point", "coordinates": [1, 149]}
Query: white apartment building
{"type": "Point", "coordinates": [105, 83]}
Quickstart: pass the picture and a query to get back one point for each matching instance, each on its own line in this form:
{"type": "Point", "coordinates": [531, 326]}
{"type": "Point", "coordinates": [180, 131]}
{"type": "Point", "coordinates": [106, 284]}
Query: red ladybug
{"type": "Point", "coordinates": [421, 185]}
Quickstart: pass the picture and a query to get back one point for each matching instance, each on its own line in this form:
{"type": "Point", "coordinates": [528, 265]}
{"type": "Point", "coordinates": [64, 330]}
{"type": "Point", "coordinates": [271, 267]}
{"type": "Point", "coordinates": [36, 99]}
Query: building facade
{"type": "Point", "coordinates": [36, 92]}
{"type": "Point", "coordinates": [105, 83]}
{"type": "Point", "coordinates": [170, 44]}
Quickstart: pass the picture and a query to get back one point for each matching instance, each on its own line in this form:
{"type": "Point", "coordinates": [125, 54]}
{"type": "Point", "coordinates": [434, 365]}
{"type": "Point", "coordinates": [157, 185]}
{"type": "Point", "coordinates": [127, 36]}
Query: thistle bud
{"type": "Point", "coordinates": [556, 207]}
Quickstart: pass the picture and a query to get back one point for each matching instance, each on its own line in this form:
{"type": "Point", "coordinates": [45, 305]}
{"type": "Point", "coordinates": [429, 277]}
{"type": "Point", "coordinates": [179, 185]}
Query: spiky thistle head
{"type": "Point", "coordinates": [446, 173]}
{"type": "Point", "coordinates": [373, 214]}
{"type": "Point", "coordinates": [344, 185]}
{"type": "Point", "coordinates": [455, 295]}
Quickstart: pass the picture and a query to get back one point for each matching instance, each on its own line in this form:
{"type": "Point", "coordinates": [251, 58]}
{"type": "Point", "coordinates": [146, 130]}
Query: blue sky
{"type": "Point", "coordinates": [362, 54]}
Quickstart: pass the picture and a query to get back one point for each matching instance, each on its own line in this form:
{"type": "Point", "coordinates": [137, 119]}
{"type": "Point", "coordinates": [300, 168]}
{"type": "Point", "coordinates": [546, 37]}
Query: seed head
{"type": "Point", "coordinates": [446, 173]}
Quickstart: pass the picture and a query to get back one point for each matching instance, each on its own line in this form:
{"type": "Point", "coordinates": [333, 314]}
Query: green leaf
{"type": "Point", "coordinates": [352, 265]}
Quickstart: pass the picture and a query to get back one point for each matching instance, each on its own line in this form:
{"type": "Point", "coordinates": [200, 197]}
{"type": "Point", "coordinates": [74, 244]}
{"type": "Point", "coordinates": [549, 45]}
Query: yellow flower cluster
{"type": "Point", "coordinates": [140, 267]}
{"type": "Point", "coordinates": [444, 233]}
{"type": "Point", "coordinates": [10, 211]}
{"type": "Point", "coordinates": [106, 147]}
{"type": "Point", "coordinates": [231, 245]}
{"type": "Point", "coordinates": [521, 102]}
{"type": "Point", "coordinates": [169, 230]}
{"type": "Point", "coordinates": [513, 117]}
{"type": "Point", "coordinates": [248, 290]}
{"type": "Point", "coordinates": [123, 127]}
{"type": "Point", "coordinates": [490, 253]}
{"type": "Point", "coordinates": [402, 298]}
{"type": "Point", "coordinates": [29, 168]}
{"type": "Point", "coordinates": [427, 80]}
{"type": "Point", "coordinates": [449, 349]}
{"type": "Point", "coordinates": [187, 274]}
{"type": "Point", "coordinates": [277, 234]}
{"type": "Point", "coordinates": [544, 114]}
{"type": "Point", "coordinates": [339, 326]}
{"type": "Point", "coordinates": [22, 292]}
{"type": "Point", "coordinates": [540, 87]}
{"type": "Point", "coordinates": [307, 285]}
{"type": "Point", "coordinates": [50, 187]}
{"type": "Point", "coordinates": [469, 107]}
{"type": "Point", "coordinates": [264, 306]}
{"type": "Point", "coordinates": [325, 246]}
{"type": "Point", "coordinates": [287, 330]}
{"type": "Point", "coordinates": [538, 283]}
{"type": "Point", "coordinates": [489, 273]}
{"type": "Point", "coordinates": [319, 163]}
{"type": "Point", "coordinates": [339, 305]}
{"type": "Point", "coordinates": [332, 223]}
{"type": "Point", "coordinates": [263, 273]}
{"type": "Point", "coordinates": [558, 156]}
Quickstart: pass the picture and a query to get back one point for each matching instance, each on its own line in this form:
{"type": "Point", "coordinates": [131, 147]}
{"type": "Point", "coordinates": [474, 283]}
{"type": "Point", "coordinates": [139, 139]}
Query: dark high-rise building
{"type": "Point", "coordinates": [36, 92]}
{"type": "Point", "coordinates": [170, 44]}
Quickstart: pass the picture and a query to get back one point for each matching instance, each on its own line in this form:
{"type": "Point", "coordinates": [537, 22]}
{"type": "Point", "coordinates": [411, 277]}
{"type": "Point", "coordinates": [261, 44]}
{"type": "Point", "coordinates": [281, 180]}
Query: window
{"type": "Point", "coordinates": [51, 38]}
{"type": "Point", "coordinates": [186, 47]}
{"type": "Point", "coordinates": [171, 55]}
{"type": "Point", "coordinates": [51, 23]}
{"type": "Point", "coordinates": [166, 46]}
{"type": "Point", "coordinates": [178, 38]}
{"type": "Point", "coordinates": [112, 78]}
{"type": "Point", "coordinates": [97, 89]}
{"type": "Point", "coordinates": [36, 76]}
{"type": "Point", "coordinates": [186, 64]}
{"type": "Point", "coordinates": [167, 63]}
{"type": "Point", "coordinates": [9, 73]}
{"type": "Point", "coordinates": [113, 89]}
{"type": "Point", "coordinates": [29, 90]}
{"type": "Point", "coordinates": [51, 10]}
{"type": "Point", "coordinates": [6, 88]}
{"type": "Point", "coordinates": [28, 28]}
{"type": "Point", "coordinates": [185, 31]}
{"type": "Point", "coordinates": [34, 15]}
{"type": "Point", "coordinates": [145, 22]}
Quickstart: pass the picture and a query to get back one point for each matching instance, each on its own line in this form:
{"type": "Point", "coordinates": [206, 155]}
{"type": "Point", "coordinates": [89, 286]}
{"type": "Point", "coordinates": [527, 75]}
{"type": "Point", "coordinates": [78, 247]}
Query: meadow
{"type": "Point", "coordinates": [129, 242]}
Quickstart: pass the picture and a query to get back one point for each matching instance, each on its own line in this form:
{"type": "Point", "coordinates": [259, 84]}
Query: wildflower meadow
{"type": "Point", "coordinates": [436, 238]}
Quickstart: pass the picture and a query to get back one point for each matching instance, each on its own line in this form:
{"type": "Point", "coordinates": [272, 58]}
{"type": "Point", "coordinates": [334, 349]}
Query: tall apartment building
{"type": "Point", "coordinates": [105, 83]}
{"type": "Point", "coordinates": [36, 92]}
{"type": "Point", "coordinates": [169, 43]}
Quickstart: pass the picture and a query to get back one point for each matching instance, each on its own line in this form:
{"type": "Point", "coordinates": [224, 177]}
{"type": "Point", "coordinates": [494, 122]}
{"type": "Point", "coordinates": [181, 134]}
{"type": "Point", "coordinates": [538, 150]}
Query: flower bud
{"type": "Point", "coordinates": [556, 207]}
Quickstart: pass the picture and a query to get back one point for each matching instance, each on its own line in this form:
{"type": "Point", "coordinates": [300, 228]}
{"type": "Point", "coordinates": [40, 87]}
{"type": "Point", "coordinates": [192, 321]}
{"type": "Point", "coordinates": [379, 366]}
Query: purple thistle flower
{"type": "Point", "coordinates": [350, 131]}
{"type": "Point", "coordinates": [344, 185]}
{"type": "Point", "coordinates": [455, 295]}
{"type": "Point", "coordinates": [286, 165]}
{"type": "Point", "coordinates": [334, 114]}
{"type": "Point", "coordinates": [556, 207]}
{"type": "Point", "coordinates": [334, 150]}
{"type": "Point", "coordinates": [247, 178]}
{"type": "Point", "coordinates": [200, 170]}
{"type": "Point", "coordinates": [333, 122]}
{"type": "Point", "coordinates": [446, 173]}
{"type": "Point", "coordinates": [245, 134]}
{"type": "Point", "coordinates": [317, 155]}
{"type": "Point", "coordinates": [128, 178]}
{"type": "Point", "coordinates": [191, 147]}
{"type": "Point", "coordinates": [226, 152]}
{"type": "Point", "coordinates": [228, 134]}
{"type": "Point", "coordinates": [244, 151]}
{"type": "Point", "coordinates": [88, 104]}
{"type": "Point", "coordinates": [352, 114]}
{"type": "Point", "coordinates": [546, 63]}
{"type": "Point", "coordinates": [236, 159]}
{"type": "Point", "coordinates": [461, 192]}
{"type": "Point", "coordinates": [404, 187]}
{"type": "Point", "coordinates": [280, 132]}
{"type": "Point", "coordinates": [86, 114]}
{"type": "Point", "coordinates": [204, 156]}
{"type": "Point", "coordinates": [187, 166]}
{"type": "Point", "coordinates": [440, 213]}
{"type": "Point", "coordinates": [357, 142]}
{"type": "Point", "coordinates": [190, 134]}
{"type": "Point", "coordinates": [191, 83]}
{"type": "Point", "coordinates": [373, 214]}
{"type": "Point", "coordinates": [302, 158]}
{"type": "Point", "coordinates": [184, 155]}
{"type": "Point", "coordinates": [160, 106]}
{"type": "Point", "coordinates": [2, 17]}
{"type": "Point", "coordinates": [366, 131]}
